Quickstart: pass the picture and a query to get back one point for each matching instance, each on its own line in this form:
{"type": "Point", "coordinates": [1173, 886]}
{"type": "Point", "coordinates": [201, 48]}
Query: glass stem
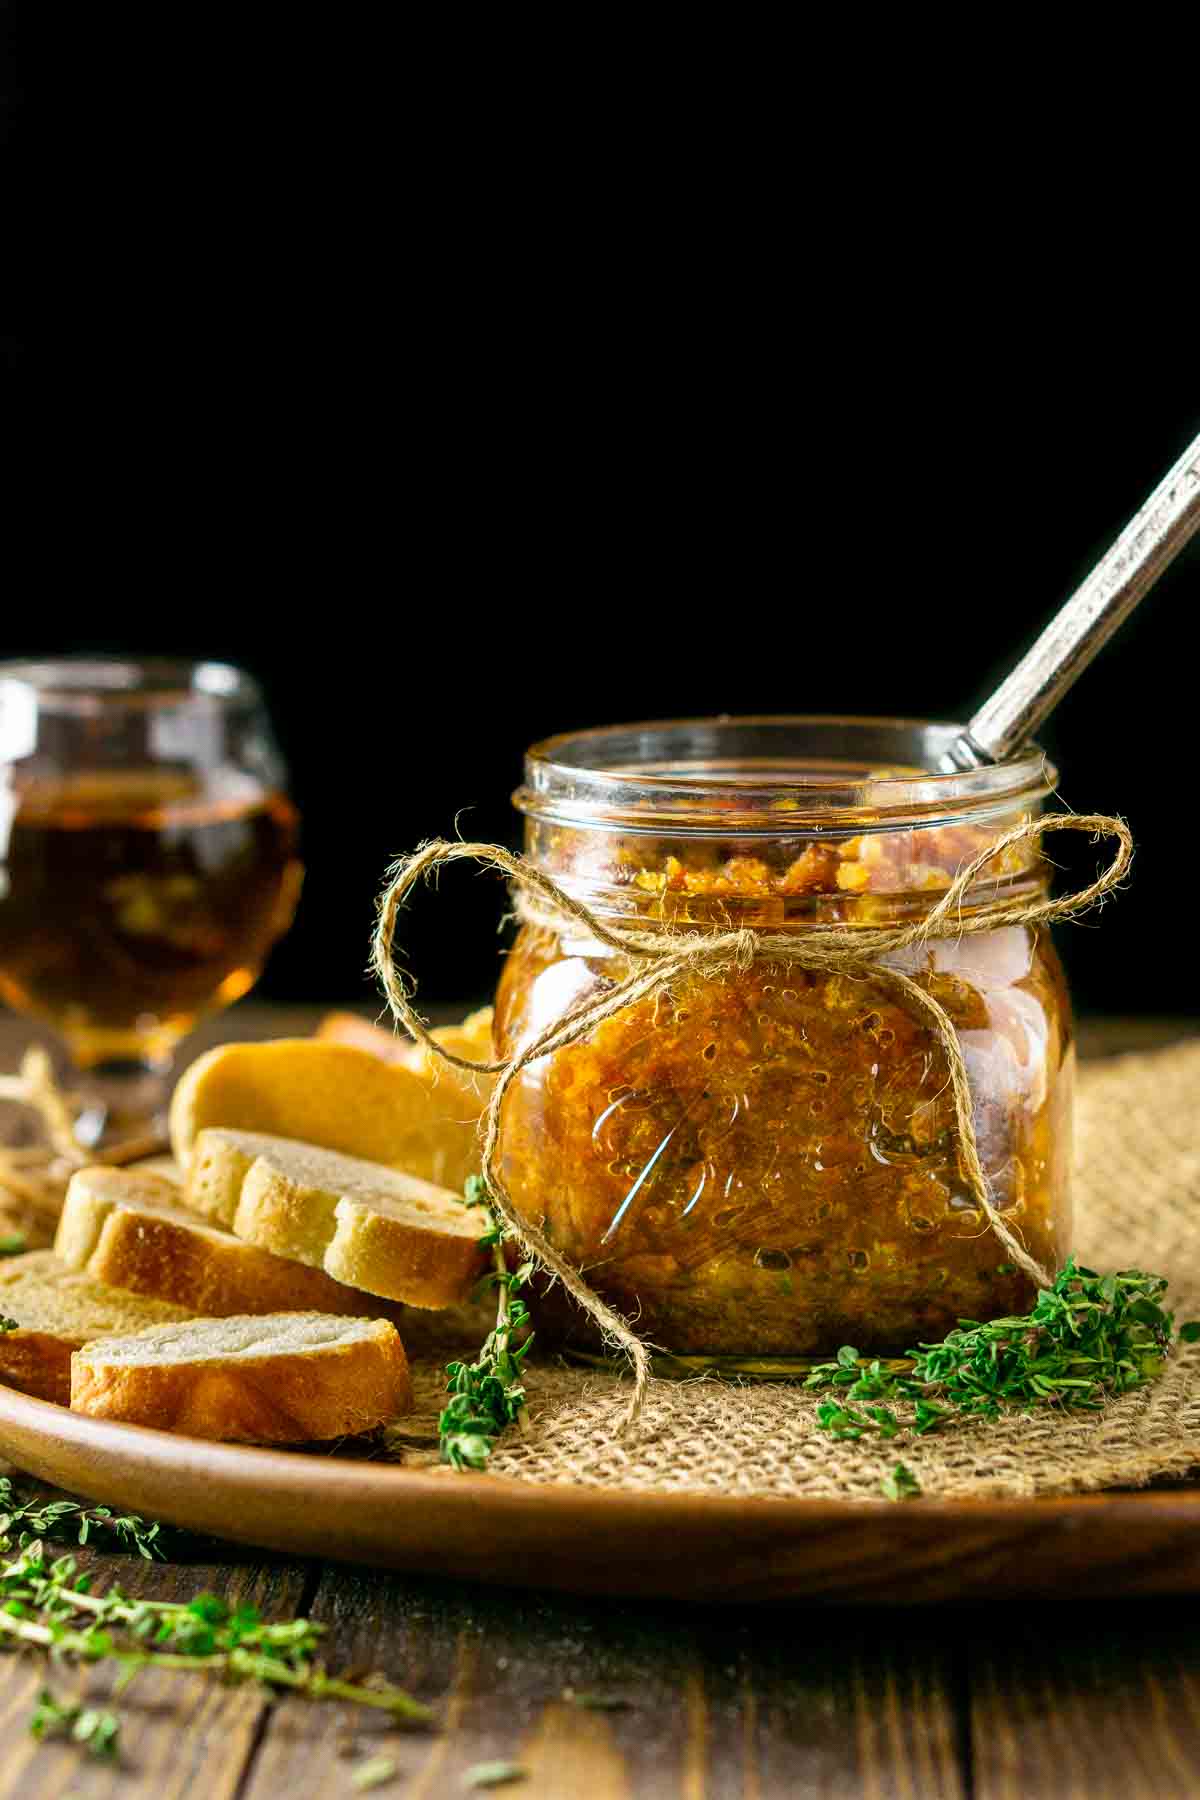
{"type": "Point", "coordinates": [123, 1096]}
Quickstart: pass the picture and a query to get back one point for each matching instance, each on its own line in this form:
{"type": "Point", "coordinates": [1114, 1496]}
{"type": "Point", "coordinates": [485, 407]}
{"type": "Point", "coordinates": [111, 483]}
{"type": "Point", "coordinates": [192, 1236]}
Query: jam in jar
{"type": "Point", "coordinates": [765, 1163]}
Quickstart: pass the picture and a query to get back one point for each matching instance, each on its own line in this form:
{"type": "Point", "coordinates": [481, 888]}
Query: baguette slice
{"type": "Point", "coordinates": [287, 1378]}
{"type": "Point", "coordinates": [378, 1229]}
{"type": "Point", "coordinates": [349, 1028]}
{"type": "Point", "coordinates": [472, 1039]}
{"type": "Point", "coordinates": [465, 1092]}
{"type": "Point", "coordinates": [335, 1096]}
{"type": "Point", "coordinates": [57, 1310]}
{"type": "Point", "coordinates": [126, 1227]}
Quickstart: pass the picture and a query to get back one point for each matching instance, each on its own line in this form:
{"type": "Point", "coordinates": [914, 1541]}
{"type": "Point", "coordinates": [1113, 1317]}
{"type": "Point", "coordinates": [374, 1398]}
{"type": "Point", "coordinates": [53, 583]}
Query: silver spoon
{"type": "Point", "coordinates": [1126, 572]}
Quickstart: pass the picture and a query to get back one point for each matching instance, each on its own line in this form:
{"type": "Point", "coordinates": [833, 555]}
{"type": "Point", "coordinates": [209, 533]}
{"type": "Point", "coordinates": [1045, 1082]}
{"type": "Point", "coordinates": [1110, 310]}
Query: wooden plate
{"type": "Point", "coordinates": [591, 1540]}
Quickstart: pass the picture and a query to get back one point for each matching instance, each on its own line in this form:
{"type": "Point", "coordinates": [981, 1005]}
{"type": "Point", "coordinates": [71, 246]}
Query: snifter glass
{"type": "Point", "coordinates": [147, 858]}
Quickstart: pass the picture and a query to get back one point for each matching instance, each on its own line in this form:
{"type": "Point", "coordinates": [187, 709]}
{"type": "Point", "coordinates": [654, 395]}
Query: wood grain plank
{"type": "Point", "coordinates": [854, 1705]}
{"type": "Point", "coordinates": [627, 1701]}
{"type": "Point", "coordinates": [182, 1737]}
{"type": "Point", "coordinates": [1086, 1703]}
{"type": "Point", "coordinates": [570, 1751]}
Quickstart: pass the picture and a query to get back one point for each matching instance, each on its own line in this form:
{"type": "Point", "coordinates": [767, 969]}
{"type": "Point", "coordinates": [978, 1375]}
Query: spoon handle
{"type": "Point", "coordinates": [1126, 572]}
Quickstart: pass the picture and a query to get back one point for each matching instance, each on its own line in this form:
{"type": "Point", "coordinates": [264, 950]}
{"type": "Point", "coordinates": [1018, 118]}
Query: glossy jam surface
{"type": "Point", "coordinates": [766, 1163]}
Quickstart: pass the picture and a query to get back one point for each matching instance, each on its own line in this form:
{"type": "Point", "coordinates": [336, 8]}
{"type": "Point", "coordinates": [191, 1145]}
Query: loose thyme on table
{"type": "Point", "coordinates": [24, 1521]}
{"type": "Point", "coordinates": [1087, 1339]}
{"type": "Point", "coordinates": [47, 1608]}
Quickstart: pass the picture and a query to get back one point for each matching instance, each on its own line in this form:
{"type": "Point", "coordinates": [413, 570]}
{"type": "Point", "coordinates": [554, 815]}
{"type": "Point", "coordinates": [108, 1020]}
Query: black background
{"type": "Point", "coordinates": [461, 434]}
{"type": "Point", "coordinates": [415, 637]}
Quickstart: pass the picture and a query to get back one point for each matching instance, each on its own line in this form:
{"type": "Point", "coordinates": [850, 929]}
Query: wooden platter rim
{"type": "Point", "coordinates": [582, 1538]}
{"type": "Point", "coordinates": [244, 1461]}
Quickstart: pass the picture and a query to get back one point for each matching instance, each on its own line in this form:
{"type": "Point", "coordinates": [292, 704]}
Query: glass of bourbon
{"type": "Point", "coordinates": [148, 858]}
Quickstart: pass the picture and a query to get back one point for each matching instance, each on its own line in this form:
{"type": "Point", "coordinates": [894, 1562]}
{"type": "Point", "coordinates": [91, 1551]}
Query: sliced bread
{"type": "Point", "coordinates": [349, 1028]}
{"type": "Point", "coordinates": [375, 1228]}
{"type": "Point", "coordinates": [458, 1089]}
{"type": "Point", "coordinates": [127, 1228]}
{"type": "Point", "coordinates": [335, 1096]}
{"type": "Point", "coordinates": [56, 1310]}
{"type": "Point", "coordinates": [287, 1378]}
{"type": "Point", "coordinates": [472, 1039]}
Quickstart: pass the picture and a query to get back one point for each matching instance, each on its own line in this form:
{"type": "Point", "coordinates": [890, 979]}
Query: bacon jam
{"type": "Point", "coordinates": [765, 1163]}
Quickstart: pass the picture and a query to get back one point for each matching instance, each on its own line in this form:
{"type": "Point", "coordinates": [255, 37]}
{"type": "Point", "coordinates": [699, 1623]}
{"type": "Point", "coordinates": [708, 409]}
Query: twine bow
{"type": "Point", "coordinates": [660, 957]}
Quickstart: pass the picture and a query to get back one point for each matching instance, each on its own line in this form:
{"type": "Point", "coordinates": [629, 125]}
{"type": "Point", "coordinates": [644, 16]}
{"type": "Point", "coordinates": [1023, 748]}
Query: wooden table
{"type": "Point", "coordinates": [1049, 1702]}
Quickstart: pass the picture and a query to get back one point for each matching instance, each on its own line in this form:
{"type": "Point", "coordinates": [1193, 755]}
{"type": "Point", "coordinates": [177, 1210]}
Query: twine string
{"type": "Point", "coordinates": [661, 957]}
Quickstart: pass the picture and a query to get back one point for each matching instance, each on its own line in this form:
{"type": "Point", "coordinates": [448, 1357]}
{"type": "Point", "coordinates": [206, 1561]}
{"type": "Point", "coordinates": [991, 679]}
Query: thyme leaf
{"type": "Point", "coordinates": [492, 1774]}
{"type": "Point", "coordinates": [488, 1395]}
{"type": "Point", "coordinates": [97, 1731]}
{"type": "Point", "coordinates": [596, 1702]}
{"type": "Point", "coordinates": [901, 1484]}
{"type": "Point", "coordinates": [373, 1773]}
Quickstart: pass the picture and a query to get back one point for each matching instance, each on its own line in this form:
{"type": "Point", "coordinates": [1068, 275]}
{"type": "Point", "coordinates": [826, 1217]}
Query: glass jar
{"type": "Point", "coordinates": [764, 1164]}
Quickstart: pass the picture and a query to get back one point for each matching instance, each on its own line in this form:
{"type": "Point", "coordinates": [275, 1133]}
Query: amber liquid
{"type": "Point", "coordinates": [132, 901]}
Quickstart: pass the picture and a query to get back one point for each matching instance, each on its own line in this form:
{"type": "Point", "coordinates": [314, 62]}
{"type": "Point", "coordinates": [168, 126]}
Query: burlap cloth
{"type": "Point", "coordinates": [1137, 1205]}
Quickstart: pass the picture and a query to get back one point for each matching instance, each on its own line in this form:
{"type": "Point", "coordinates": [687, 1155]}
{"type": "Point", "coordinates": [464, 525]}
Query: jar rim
{"type": "Point", "coordinates": [768, 774]}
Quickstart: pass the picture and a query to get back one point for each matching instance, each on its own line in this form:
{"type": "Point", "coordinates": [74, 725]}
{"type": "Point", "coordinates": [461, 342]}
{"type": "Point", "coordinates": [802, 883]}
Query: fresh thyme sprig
{"type": "Point", "coordinates": [67, 1521]}
{"type": "Point", "coordinates": [1088, 1338]}
{"type": "Point", "coordinates": [489, 1394]}
{"type": "Point", "coordinates": [47, 1606]}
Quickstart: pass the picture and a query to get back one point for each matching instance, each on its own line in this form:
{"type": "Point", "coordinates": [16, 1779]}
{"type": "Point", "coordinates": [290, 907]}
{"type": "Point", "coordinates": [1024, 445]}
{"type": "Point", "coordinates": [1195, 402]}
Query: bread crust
{"type": "Point", "coordinates": [303, 1395]}
{"type": "Point", "coordinates": [37, 1363]}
